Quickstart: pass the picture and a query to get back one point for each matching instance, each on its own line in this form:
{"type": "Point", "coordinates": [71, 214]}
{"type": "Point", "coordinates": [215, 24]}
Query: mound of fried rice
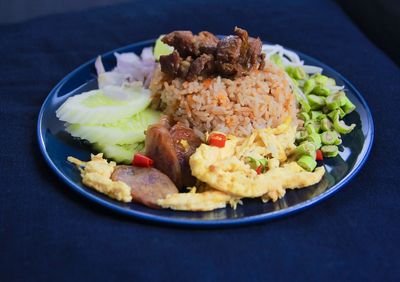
{"type": "Point", "coordinates": [259, 100]}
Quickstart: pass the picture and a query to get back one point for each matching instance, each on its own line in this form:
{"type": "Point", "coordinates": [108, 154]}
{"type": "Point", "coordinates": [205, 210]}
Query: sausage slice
{"type": "Point", "coordinates": [147, 184]}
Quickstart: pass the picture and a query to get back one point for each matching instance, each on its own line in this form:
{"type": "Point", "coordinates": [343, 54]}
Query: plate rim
{"type": "Point", "coordinates": [201, 222]}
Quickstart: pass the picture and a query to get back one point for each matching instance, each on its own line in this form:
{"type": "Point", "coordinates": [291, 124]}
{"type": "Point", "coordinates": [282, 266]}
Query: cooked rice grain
{"type": "Point", "coordinates": [258, 100]}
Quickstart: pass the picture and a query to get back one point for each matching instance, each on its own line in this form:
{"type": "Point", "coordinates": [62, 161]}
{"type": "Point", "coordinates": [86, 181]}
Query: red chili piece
{"type": "Point", "coordinates": [217, 140]}
{"type": "Point", "coordinates": [142, 161]}
{"type": "Point", "coordinates": [259, 169]}
{"type": "Point", "coordinates": [319, 156]}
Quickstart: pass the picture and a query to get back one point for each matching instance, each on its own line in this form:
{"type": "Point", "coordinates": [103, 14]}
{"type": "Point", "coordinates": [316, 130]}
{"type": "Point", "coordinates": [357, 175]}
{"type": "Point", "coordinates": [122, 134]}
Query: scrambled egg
{"type": "Point", "coordinates": [96, 174]}
{"type": "Point", "coordinates": [225, 169]}
{"type": "Point", "coordinates": [206, 201]}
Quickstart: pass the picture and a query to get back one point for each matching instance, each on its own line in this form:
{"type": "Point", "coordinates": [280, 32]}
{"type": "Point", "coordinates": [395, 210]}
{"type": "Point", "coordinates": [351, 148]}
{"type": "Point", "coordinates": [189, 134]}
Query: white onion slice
{"type": "Point", "coordinates": [312, 69]}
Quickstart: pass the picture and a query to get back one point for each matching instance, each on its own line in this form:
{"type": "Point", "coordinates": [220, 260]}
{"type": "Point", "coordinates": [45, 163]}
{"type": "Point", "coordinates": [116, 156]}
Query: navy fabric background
{"type": "Point", "coordinates": [50, 233]}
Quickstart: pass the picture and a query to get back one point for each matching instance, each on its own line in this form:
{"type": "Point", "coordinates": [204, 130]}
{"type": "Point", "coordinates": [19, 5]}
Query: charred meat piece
{"type": "Point", "coordinates": [170, 149]}
{"type": "Point", "coordinates": [199, 65]}
{"type": "Point", "coordinates": [206, 42]}
{"type": "Point", "coordinates": [183, 41]}
{"type": "Point", "coordinates": [228, 49]}
{"type": "Point", "coordinates": [204, 54]}
{"type": "Point", "coordinates": [253, 53]}
{"type": "Point", "coordinates": [147, 184]}
{"type": "Point", "coordinates": [170, 63]}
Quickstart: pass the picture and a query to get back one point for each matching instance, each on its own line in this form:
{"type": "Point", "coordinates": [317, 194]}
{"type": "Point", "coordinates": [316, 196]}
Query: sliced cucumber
{"type": "Point", "coordinates": [95, 108]}
{"type": "Point", "coordinates": [161, 49]}
{"type": "Point", "coordinates": [120, 153]}
{"type": "Point", "coordinates": [127, 131]}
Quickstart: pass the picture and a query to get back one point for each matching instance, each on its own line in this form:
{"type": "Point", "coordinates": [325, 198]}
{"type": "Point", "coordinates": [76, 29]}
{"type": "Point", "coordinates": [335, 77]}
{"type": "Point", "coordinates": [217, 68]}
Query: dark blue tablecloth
{"type": "Point", "coordinates": [50, 233]}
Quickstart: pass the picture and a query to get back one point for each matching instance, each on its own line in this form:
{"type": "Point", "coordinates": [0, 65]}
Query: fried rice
{"type": "Point", "coordinates": [258, 100]}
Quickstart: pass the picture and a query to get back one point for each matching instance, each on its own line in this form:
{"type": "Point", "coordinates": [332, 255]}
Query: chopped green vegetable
{"type": "Point", "coordinates": [161, 49]}
{"type": "Point", "coordinates": [321, 91]}
{"type": "Point", "coordinates": [339, 125]}
{"type": "Point", "coordinates": [311, 126]}
{"type": "Point", "coordinates": [309, 86]}
{"type": "Point", "coordinates": [326, 124]}
{"type": "Point", "coordinates": [305, 148]}
{"type": "Point", "coordinates": [301, 136]}
{"type": "Point", "coordinates": [299, 73]}
{"type": "Point", "coordinates": [308, 163]}
{"type": "Point", "coordinates": [335, 101]}
{"type": "Point", "coordinates": [289, 70]}
{"type": "Point", "coordinates": [255, 164]}
{"type": "Point", "coordinates": [321, 79]}
{"type": "Point", "coordinates": [316, 114]}
{"type": "Point", "coordinates": [332, 114]}
{"type": "Point", "coordinates": [304, 105]}
{"type": "Point", "coordinates": [347, 105]}
{"type": "Point", "coordinates": [304, 116]}
{"type": "Point", "coordinates": [315, 138]}
{"type": "Point", "coordinates": [329, 137]}
{"type": "Point", "coordinates": [330, 151]}
{"type": "Point", "coordinates": [316, 102]}
{"type": "Point", "coordinates": [276, 59]}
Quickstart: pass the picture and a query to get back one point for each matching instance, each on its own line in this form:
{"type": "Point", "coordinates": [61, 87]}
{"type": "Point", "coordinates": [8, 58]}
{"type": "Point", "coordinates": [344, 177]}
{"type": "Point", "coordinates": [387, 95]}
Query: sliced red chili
{"type": "Point", "coordinates": [142, 161]}
{"type": "Point", "coordinates": [319, 156]}
{"type": "Point", "coordinates": [259, 169]}
{"type": "Point", "coordinates": [217, 140]}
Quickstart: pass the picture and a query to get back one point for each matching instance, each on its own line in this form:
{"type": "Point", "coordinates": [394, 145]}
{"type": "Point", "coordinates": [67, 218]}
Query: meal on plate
{"type": "Point", "coordinates": [199, 122]}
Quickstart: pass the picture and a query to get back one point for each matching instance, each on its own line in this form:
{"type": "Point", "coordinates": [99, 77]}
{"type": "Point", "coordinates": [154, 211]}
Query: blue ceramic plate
{"type": "Point", "coordinates": [56, 145]}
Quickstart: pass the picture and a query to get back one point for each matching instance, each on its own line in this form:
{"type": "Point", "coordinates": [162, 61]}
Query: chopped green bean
{"type": "Point", "coordinates": [338, 141]}
{"type": "Point", "coordinates": [309, 86]}
{"type": "Point", "coordinates": [347, 105]}
{"type": "Point", "coordinates": [305, 106]}
{"type": "Point", "coordinates": [295, 82]}
{"type": "Point", "coordinates": [304, 116]}
{"type": "Point", "coordinates": [330, 151]}
{"type": "Point", "coordinates": [301, 136]}
{"type": "Point", "coordinates": [321, 90]}
{"type": "Point", "coordinates": [332, 114]}
{"type": "Point", "coordinates": [299, 73]}
{"type": "Point", "coordinates": [312, 126]}
{"type": "Point", "coordinates": [316, 114]}
{"type": "Point", "coordinates": [309, 126]}
{"type": "Point", "coordinates": [316, 102]}
{"type": "Point", "coordinates": [289, 70]}
{"type": "Point", "coordinates": [305, 148]}
{"type": "Point", "coordinates": [276, 59]}
{"type": "Point", "coordinates": [339, 125]}
{"type": "Point", "coordinates": [315, 138]}
{"type": "Point", "coordinates": [335, 101]}
{"type": "Point", "coordinates": [321, 79]}
{"type": "Point", "coordinates": [308, 163]}
{"type": "Point", "coordinates": [329, 137]}
{"type": "Point", "coordinates": [326, 124]}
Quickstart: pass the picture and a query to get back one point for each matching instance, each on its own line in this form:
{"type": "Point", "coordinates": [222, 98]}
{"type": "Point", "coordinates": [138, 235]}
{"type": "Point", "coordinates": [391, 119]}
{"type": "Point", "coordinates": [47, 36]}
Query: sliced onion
{"type": "Point", "coordinates": [334, 88]}
{"type": "Point", "coordinates": [98, 64]}
{"type": "Point", "coordinates": [312, 69]}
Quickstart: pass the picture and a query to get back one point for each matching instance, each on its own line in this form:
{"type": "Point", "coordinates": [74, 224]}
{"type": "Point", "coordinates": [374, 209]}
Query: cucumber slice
{"type": "Point", "coordinates": [120, 153]}
{"type": "Point", "coordinates": [161, 49]}
{"type": "Point", "coordinates": [127, 131]}
{"type": "Point", "coordinates": [96, 108]}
